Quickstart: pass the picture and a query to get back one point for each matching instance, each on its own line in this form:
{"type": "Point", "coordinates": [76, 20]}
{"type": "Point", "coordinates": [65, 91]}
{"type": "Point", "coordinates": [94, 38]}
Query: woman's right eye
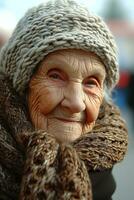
{"type": "Point", "coordinates": [55, 75]}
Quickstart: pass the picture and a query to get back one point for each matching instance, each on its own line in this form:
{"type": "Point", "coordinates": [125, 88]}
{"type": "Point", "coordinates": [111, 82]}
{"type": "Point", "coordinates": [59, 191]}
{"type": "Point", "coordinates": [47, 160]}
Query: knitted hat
{"type": "Point", "coordinates": [59, 24]}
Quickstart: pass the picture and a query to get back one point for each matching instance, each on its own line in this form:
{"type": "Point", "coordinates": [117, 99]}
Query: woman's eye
{"type": "Point", "coordinates": [92, 82]}
{"type": "Point", "coordinates": [54, 74]}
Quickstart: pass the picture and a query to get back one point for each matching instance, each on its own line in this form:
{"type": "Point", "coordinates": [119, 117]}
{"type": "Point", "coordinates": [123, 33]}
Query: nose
{"type": "Point", "coordinates": [74, 98]}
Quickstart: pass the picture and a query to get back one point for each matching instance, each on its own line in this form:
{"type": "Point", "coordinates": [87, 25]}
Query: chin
{"type": "Point", "coordinates": [67, 138]}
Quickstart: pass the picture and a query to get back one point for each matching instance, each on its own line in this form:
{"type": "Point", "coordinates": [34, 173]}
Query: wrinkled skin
{"type": "Point", "coordinates": [66, 92]}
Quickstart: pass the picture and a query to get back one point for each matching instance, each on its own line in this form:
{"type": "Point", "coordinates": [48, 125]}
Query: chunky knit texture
{"type": "Point", "coordinates": [59, 24]}
{"type": "Point", "coordinates": [52, 170]}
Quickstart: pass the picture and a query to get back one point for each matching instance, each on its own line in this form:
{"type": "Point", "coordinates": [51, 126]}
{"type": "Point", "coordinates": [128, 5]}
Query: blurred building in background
{"type": "Point", "coordinates": [116, 16]}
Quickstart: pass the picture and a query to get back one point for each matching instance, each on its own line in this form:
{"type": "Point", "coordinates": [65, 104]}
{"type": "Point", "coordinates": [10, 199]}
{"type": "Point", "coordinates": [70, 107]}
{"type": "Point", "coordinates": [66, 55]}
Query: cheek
{"type": "Point", "coordinates": [48, 98]}
{"type": "Point", "coordinates": [93, 103]}
{"type": "Point", "coordinates": [43, 99]}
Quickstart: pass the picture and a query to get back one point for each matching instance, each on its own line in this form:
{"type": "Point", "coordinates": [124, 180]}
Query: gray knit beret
{"type": "Point", "coordinates": [59, 24]}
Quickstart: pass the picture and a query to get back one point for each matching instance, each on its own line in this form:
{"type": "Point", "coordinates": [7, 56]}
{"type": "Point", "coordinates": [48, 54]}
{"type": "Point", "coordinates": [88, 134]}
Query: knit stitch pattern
{"type": "Point", "coordinates": [59, 24]}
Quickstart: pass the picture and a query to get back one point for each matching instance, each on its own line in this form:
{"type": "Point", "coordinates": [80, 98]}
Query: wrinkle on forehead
{"type": "Point", "coordinates": [81, 62]}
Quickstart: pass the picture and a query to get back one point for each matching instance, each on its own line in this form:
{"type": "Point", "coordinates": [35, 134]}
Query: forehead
{"type": "Point", "coordinates": [74, 60]}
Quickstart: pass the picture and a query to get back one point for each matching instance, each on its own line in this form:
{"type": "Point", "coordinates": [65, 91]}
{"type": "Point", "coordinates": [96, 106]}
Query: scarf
{"type": "Point", "coordinates": [34, 166]}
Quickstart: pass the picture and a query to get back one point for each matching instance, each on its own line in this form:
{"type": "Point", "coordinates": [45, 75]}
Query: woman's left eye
{"type": "Point", "coordinates": [91, 82]}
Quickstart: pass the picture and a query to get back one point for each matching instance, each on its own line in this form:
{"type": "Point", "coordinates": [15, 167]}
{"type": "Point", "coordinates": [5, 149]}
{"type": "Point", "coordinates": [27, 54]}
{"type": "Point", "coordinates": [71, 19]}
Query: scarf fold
{"type": "Point", "coordinates": [50, 170]}
{"type": "Point", "coordinates": [107, 143]}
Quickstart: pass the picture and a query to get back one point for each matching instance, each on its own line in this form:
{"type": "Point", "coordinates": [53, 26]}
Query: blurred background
{"type": "Point", "coordinates": [119, 15]}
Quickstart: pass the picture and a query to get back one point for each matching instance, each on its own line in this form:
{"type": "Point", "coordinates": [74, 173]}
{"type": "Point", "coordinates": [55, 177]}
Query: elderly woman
{"type": "Point", "coordinates": [59, 135]}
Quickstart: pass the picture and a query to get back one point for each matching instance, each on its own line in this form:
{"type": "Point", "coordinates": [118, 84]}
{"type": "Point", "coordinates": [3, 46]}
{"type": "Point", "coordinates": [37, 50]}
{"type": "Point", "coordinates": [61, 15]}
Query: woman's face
{"type": "Point", "coordinates": [66, 92]}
